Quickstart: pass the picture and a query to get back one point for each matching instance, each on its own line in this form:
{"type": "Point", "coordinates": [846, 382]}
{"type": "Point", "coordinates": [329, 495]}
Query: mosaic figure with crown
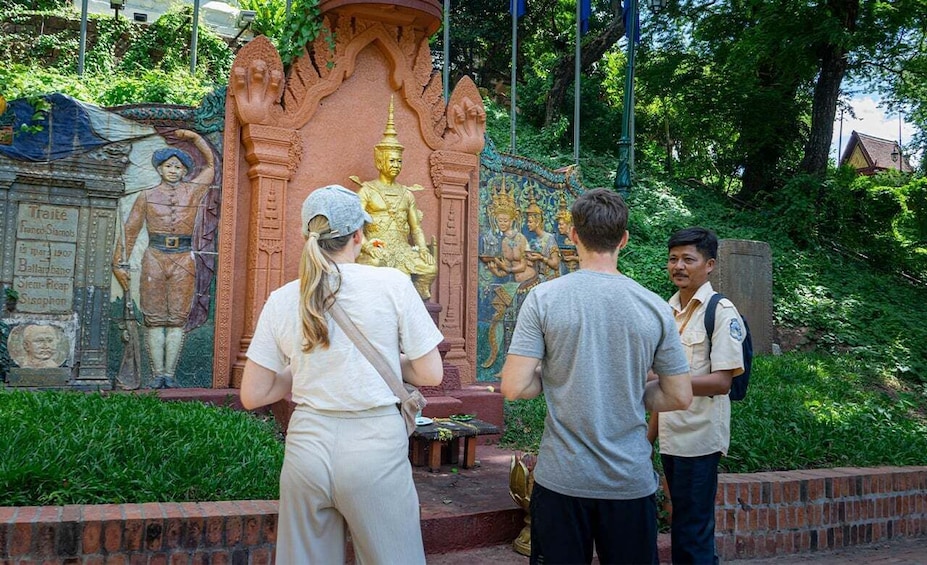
{"type": "Point", "coordinates": [543, 250]}
{"type": "Point", "coordinates": [511, 262]}
{"type": "Point", "coordinates": [514, 273]}
{"type": "Point", "coordinates": [570, 260]}
{"type": "Point", "coordinates": [396, 218]}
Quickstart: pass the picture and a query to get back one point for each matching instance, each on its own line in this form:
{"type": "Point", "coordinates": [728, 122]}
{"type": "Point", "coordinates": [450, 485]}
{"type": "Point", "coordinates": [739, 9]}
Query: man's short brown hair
{"type": "Point", "coordinates": [600, 217]}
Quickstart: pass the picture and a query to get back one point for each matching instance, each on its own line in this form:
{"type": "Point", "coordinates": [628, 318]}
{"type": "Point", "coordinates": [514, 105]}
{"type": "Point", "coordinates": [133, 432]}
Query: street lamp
{"type": "Point", "coordinates": [626, 143]}
{"type": "Point", "coordinates": [896, 156]}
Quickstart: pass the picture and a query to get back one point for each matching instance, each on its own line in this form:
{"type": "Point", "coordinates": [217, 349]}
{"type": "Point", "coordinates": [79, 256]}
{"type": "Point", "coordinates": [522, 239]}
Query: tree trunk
{"type": "Point", "coordinates": [823, 111]}
{"type": "Point", "coordinates": [563, 71]}
{"type": "Point", "coordinates": [827, 90]}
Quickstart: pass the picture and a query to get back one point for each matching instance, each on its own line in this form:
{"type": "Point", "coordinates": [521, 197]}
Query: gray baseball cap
{"type": "Point", "coordinates": [341, 206]}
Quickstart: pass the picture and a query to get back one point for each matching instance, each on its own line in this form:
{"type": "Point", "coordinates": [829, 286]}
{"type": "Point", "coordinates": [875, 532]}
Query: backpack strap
{"type": "Point", "coordinates": [710, 311]}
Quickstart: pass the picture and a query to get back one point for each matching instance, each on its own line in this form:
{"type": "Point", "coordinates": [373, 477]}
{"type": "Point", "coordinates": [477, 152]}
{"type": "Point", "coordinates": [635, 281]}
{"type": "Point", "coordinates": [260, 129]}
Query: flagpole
{"type": "Point", "coordinates": [514, 7]}
{"type": "Point", "coordinates": [195, 34]}
{"type": "Point", "coordinates": [576, 86]}
{"type": "Point", "coordinates": [447, 49]}
{"type": "Point", "coordinates": [82, 46]}
{"type": "Point", "coordinates": [624, 175]}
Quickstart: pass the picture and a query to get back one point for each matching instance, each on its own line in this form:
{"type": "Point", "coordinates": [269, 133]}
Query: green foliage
{"type": "Point", "coordinates": [175, 87]}
{"type": "Point", "coordinates": [269, 16]}
{"type": "Point", "coordinates": [880, 217]}
{"type": "Point", "coordinates": [870, 365]}
{"type": "Point", "coordinates": [74, 448]}
{"type": "Point", "coordinates": [125, 63]}
{"type": "Point", "coordinates": [524, 423]}
{"type": "Point", "coordinates": [165, 45]}
{"type": "Point", "coordinates": [300, 30]}
{"type": "Point", "coordinates": [10, 6]}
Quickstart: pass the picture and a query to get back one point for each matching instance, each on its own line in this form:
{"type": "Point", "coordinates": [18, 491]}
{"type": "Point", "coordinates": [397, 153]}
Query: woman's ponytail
{"type": "Point", "coordinates": [319, 281]}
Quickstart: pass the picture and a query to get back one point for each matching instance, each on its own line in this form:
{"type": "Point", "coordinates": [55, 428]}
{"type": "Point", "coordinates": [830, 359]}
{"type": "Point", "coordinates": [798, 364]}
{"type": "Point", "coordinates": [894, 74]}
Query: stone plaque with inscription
{"type": "Point", "coordinates": [45, 254]}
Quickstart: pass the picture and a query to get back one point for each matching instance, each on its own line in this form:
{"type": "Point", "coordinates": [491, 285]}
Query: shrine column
{"type": "Point", "coordinates": [456, 178]}
{"type": "Point", "coordinates": [271, 153]}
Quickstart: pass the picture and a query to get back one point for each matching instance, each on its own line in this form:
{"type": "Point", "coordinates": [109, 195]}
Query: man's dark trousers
{"type": "Point", "coordinates": [693, 485]}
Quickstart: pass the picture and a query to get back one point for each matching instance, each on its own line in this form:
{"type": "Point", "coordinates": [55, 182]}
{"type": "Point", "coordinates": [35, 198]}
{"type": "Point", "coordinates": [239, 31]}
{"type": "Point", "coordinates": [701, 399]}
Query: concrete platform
{"type": "Point", "coordinates": [469, 517]}
{"type": "Point", "coordinates": [468, 508]}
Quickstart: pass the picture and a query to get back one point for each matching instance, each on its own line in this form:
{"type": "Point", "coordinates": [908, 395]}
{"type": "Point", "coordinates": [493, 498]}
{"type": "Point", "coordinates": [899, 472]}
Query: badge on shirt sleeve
{"type": "Point", "coordinates": [737, 329]}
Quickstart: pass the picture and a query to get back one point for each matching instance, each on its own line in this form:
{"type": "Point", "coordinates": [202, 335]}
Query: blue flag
{"type": "Point", "coordinates": [627, 24]}
{"type": "Point", "coordinates": [585, 13]}
{"type": "Point", "coordinates": [517, 7]}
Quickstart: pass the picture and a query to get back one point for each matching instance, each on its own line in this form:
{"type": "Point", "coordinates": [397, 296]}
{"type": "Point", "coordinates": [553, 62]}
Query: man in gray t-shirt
{"type": "Point", "coordinates": [587, 340]}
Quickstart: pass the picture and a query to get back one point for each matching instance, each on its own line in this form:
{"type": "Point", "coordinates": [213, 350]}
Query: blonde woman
{"type": "Point", "coordinates": [346, 464]}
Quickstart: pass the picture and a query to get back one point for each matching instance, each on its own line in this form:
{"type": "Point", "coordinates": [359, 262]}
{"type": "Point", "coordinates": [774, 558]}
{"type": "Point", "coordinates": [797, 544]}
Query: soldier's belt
{"type": "Point", "coordinates": [170, 243]}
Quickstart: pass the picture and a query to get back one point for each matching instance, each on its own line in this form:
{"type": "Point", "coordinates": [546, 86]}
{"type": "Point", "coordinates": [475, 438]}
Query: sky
{"type": "Point", "coordinates": [871, 120]}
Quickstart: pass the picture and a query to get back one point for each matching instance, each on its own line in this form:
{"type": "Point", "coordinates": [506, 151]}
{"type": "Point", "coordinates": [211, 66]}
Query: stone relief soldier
{"type": "Point", "coordinates": [396, 217]}
{"type": "Point", "coordinates": [168, 279]}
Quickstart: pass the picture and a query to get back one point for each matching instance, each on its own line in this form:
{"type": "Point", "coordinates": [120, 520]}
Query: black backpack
{"type": "Point", "coordinates": [740, 383]}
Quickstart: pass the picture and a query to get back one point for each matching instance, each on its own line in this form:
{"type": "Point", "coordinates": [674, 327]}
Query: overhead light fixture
{"type": "Point", "coordinates": [245, 17]}
{"type": "Point", "coordinates": [895, 154]}
{"type": "Point", "coordinates": [656, 5]}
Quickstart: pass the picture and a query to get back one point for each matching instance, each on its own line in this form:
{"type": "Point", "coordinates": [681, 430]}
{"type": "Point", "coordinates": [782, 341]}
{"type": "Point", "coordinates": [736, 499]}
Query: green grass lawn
{"type": "Point", "coordinates": [74, 448]}
{"type": "Point", "coordinates": [803, 411]}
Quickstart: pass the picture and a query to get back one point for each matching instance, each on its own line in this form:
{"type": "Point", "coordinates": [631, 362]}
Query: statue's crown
{"type": "Point", "coordinates": [533, 207]}
{"type": "Point", "coordinates": [390, 136]}
{"type": "Point", "coordinates": [563, 213]}
{"type": "Point", "coordinates": [503, 201]}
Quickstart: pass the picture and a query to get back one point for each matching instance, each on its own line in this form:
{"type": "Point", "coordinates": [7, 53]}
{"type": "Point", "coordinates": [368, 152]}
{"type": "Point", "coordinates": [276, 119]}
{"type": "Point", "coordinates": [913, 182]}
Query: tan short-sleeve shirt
{"type": "Point", "coordinates": [705, 427]}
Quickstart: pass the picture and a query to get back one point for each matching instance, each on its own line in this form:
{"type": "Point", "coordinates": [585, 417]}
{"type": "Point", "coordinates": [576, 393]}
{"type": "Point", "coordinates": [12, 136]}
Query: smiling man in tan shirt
{"type": "Point", "coordinates": [692, 441]}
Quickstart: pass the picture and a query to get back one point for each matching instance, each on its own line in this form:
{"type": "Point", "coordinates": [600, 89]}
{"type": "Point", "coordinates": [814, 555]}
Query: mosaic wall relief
{"type": "Point", "coordinates": [109, 242]}
{"type": "Point", "coordinates": [524, 223]}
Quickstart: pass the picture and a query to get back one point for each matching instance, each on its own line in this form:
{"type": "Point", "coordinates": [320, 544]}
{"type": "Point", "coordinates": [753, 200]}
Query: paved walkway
{"type": "Point", "coordinates": [902, 551]}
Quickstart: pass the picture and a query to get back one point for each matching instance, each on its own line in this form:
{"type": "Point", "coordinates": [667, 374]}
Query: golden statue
{"type": "Point", "coordinates": [521, 483]}
{"type": "Point", "coordinates": [396, 218]}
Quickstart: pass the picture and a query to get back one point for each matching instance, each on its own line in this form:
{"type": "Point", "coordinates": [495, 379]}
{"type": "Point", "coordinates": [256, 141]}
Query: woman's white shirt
{"type": "Point", "coordinates": [383, 304]}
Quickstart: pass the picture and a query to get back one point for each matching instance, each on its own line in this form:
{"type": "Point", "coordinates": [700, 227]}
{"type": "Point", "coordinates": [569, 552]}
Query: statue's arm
{"type": "Point", "coordinates": [415, 227]}
{"type": "Point", "coordinates": [208, 174]}
{"type": "Point", "coordinates": [131, 228]}
{"type": "Point", "coordinates": [520, 262]}
{"type": "Point", "coordinates": [553, 254]}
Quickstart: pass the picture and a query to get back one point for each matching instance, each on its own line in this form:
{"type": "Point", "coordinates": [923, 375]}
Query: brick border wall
{"type": "Point", "coordinates": [155, 533]}
{"type": "Point", "coordinates": [781, 513]}
{"type": "Point", "coordinates": [758, 515]}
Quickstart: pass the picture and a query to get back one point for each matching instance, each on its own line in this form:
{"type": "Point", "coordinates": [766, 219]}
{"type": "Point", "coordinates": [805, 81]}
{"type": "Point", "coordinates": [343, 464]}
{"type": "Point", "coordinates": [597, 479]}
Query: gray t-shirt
{"type": "Point", "coordinates": [597, 335]}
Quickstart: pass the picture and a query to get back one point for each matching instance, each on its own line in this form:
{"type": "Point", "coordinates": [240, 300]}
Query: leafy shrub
{"type": "Point", "coordinates": [269, 16]}
{"type": "Point", "coordinates": [165, 45]}
{"type": "Point", "coordinates": [175, 87]}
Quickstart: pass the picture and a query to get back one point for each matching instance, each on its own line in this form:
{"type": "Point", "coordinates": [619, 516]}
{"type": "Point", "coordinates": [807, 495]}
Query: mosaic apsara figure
{"type": "Point", "coordinates": [543, 250]}
{"type": "Point", "coordinates": [570, 260]}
